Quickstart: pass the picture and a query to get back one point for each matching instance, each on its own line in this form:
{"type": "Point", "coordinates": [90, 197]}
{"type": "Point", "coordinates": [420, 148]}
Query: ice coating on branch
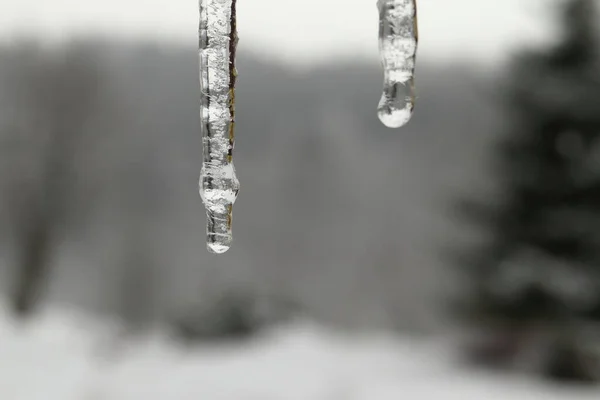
{"type": "Point", "coordinates": [398, 37]}
{"type": "Point", "coordinates": [219, 185]}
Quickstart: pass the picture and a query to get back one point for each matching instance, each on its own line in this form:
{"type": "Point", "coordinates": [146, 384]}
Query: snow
{"type": "Point", "coordinates": [65, 356]}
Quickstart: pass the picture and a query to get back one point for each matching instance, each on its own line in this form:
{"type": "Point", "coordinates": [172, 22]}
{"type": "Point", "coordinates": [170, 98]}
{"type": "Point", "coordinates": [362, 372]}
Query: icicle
{"type": "Point", "coordinates": [219, 185]}
{"type": "Point", "coordinates": [398, 37]}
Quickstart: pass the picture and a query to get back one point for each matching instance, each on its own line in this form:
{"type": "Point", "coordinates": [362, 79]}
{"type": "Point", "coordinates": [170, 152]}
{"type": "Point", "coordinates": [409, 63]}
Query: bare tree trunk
{"type": "Point", "coordinates": [40, 219]}
{"type": "Point", "coordinates": [61, 93]}
{"type": "Point", "coordinates": [33, 259]}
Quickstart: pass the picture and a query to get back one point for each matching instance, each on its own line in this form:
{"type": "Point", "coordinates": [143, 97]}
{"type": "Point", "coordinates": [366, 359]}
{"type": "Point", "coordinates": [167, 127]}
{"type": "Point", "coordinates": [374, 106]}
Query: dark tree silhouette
{"type": "Point", "coordinates": [541, 266]}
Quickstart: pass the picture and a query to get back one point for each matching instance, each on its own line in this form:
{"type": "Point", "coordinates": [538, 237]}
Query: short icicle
{"type": "Point", "coordinates": [398, 38]}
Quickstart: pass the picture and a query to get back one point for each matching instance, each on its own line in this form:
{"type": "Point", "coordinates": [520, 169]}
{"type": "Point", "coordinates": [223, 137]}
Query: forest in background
{"type": "Point", "coordinates": [338, 217]}
{"type": "Point", "coordinates": [315, 165]}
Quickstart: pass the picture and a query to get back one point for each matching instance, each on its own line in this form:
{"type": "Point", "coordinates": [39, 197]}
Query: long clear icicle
{"type": "Point", "coordinates": [398, 38]}
{"type": "Point", "coordinates": [219, 185]}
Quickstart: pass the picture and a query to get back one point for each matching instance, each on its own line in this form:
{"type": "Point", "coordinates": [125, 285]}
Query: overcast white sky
{"type": "Point", "coordinates": [294, 30]}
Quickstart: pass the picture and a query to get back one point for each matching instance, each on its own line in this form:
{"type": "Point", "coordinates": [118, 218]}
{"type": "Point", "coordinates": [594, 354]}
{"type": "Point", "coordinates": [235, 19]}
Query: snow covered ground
{"type": "Point", "coordinates": [63, 356]}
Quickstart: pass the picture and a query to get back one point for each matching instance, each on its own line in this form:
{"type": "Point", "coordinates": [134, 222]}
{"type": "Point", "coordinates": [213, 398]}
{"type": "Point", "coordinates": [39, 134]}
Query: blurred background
{"type": "Point", "coordinates": [458, 257]}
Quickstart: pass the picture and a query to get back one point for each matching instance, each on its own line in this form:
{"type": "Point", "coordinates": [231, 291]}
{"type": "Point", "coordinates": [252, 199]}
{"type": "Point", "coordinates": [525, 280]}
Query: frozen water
{"type": "Point", "coordinates": [398, 38]}
{"type": "Point", "coordinates": [219, 185]}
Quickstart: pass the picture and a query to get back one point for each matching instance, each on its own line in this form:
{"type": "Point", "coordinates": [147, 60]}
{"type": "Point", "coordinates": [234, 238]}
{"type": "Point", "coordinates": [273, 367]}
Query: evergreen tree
{"type": "Point", "coordinates": [541, 267]}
